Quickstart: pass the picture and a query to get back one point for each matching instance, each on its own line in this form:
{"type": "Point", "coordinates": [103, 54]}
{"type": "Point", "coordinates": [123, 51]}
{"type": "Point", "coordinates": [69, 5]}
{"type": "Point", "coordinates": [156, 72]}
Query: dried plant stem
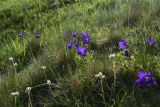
{"type": "Point", "coordinates": [30, 101]}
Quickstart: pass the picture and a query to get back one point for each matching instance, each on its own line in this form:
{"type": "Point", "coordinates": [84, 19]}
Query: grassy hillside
{"type": "Point", "coordinates": [74, 82]}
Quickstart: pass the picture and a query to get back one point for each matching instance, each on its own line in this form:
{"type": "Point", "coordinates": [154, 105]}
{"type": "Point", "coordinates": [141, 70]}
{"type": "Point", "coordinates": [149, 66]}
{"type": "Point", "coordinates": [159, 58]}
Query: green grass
{"type": "Point", "coordinates": [107, 21]}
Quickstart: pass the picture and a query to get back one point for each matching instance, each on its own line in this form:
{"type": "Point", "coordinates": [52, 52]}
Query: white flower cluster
{"type": "Point", "coordinates": [112, 55]}
{"type": "Point", "coordinates": [15, 64]}
{"type": "Point", "coordinates": [15, 93]}
{"type": "Point", "coordinates": [28, 89]}
{"type": "Point", "coordinates": [49, 82]}
{"type": "Point", "coordinates": [11, 58]}
{"type": "Point", "coordinates": [100, 75]}
{"type": "Point", "coordinates": [43, 67]}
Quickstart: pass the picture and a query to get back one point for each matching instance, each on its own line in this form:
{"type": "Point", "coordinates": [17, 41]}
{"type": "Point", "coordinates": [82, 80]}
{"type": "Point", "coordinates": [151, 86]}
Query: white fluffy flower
{"type": "Point", "coordinates": [112, 55]}
{"type": "Point", "coordinates": [28, 89]}
{"type": "Point", "coordinates": [15, 64]}
{"type": "Point", "coordinates": [15, 93]}
{"type": "Point", "coordinates": [100, 75]}
{"type": "Point", "coordinates": [49, 82]}
{"type": "Point", "coordinates": [43, 67]}
{"type": "Point", "coordinates": [11, 58]}
{"type": "Point", "coordinates": [103, 76]}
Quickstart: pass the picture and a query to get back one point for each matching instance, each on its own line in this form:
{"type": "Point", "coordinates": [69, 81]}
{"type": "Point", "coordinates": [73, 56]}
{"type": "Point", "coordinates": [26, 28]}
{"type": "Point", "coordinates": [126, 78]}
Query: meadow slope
{"type": "Point", "coordinates": [57, 75]}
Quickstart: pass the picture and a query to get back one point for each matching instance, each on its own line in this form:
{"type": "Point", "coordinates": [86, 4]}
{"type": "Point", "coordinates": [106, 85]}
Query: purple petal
{"type": "Point", "coordinates": [74, 34]}
{"type": "Point", "coordinates": [66, 35]}
{"type": "Point", "coordinates": [145, 79]}
{"type": "Point", "coordinates": [139, 81]}
{"type": "Point", "coordinates": [21, 34]}
{"type": "Point", "coordinates": [125, 41]}
{"type": "Point", "coordinates": [150, 74]}
{"type": "Point", "coordinates": [86, 39]}
{"type": "Point", "coordinates": [121, 45]}
{"type": "Point", "coordinates": [142, 74]}
{"type": "Point", "coordinates": [84, 34]}
{"type": "Point", "coordinates": [69, 45]}
{"type": "Point", "coordinates": [81, 50]}
{"type": "Point", "coordinates": [76, 43]}
{"type": "Point", "coordinates": [37, 35]}
{"type": "Point", "coordinates": [151, 41]}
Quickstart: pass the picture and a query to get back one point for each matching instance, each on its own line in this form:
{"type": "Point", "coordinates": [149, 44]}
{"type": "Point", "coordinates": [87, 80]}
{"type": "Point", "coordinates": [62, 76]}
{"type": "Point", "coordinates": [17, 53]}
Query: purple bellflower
{"type": "Point", "coordinates": [66, 35]}
{"type": "Point", "coordinates": [85, 38]}
{"type": "Point", "coordinates": [145, 79]}
{"type": "Point", "coordinates": [84, 34]}
{"type": "Point", "coordinates": [123, 44]}
{"type": "Point", "coordinates": [69, 45]}
{"type": "Point", "coordinates": [74, 34]}
{"type": "Point", "coordinates": [151, 42]}
{"type": "Point", "coordinates": [76, 43]}
{"type": "Point", "coordinates": [81, 50]}
{"type": "Point", "coordinates": [38, 35]}
{"type": "Point", "coordinates": [21, 34]}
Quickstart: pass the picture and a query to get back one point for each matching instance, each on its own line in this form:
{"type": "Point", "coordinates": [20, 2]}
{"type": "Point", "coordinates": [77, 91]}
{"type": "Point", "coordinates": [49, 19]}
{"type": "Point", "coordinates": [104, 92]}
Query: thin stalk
{"type": "Point", "coordinates": [15, 101]}
{"type": "Point", "coordinates": [103, 96]}
{"type": "Point", "coordinates": [30, 101]}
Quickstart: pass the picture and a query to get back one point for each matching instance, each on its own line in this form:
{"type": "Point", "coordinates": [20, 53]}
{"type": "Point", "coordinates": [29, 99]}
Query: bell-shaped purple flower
{"type": "Point", "coordinates": [66, 35]}
{"type": "Point", "coordinates": [151, 41]}
{"type": "Point", "coordinates": [123, 44]}
{"type": "Point", "coordinates": [145, 79]}
{"type": "Point", "coordinates": [84, 34]}
{"type": "Point", "coordinates": [38, 35]}
{"type": "Point", "coordinates": [69, 45]}
{"type": "Point", "coordinates": [74, 34]}
{"type": "Point", "coordinates": [82, 51]}
{"type": "Point", "coordinates": [76, 43]}
{"type": "Point", "coordinates": [21, 34]}
{"type": "Point", "coordinates": [85, 38]}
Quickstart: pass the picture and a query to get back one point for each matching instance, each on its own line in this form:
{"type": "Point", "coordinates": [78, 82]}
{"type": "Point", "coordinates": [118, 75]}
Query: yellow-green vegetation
{"type": "Point", "coordinates": [38, 72]}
